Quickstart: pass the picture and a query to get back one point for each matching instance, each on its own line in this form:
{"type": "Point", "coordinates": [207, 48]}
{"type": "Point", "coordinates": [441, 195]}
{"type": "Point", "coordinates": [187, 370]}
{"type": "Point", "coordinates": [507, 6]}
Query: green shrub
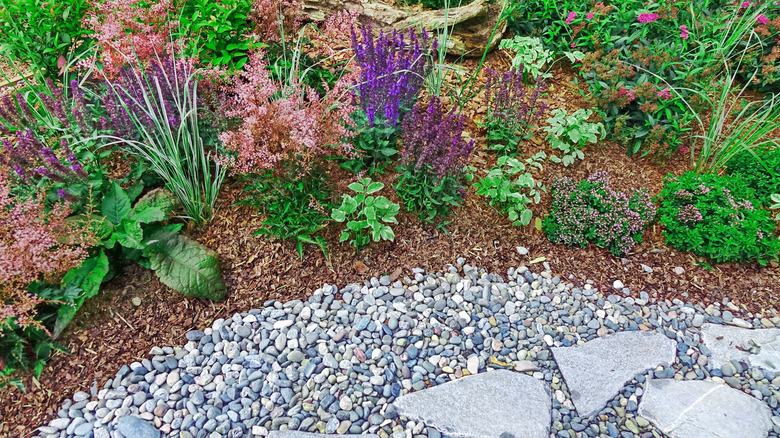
{"type": "Point", "coordinates": [295, 207]}
{"type": "Point", "coordinates": [218, 30]}
{"type": "Point", "coordinates": [512, 196]}
{"type": "Point", "coordinates": [570, 133]}
{"type": "Point", "coordinates": [40, 32]}
{"type": "Point", "coordinates": [364, 214]}
{"type": "Point", "coordinates": [764, 177]}
{"type": "Point", "coordinates": [590, 210]}
{"type": "Point", "coordinates": [717, 217]}
{"type": "Point", "coordinates": [429, 195]}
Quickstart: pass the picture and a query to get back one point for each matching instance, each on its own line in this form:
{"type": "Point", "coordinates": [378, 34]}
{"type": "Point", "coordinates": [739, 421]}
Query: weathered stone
{"type": "Point", "coordinates": [464, 408]}
{"type": "Point", "coordinates": [701, 409]}
{"type": "Point", "coordinates": [135, 427]}
{"type": "Point", "coordinates": [723, 341]}
{"type": "Point", "coordinates": [596, 370]}
{"type": "Point", "coordinates": [297, 434]}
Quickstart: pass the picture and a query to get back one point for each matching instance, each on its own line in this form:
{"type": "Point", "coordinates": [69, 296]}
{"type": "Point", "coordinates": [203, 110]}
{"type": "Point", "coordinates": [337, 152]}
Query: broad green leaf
{"type": "Point", "coordinates": [132, 235]}
{"type": "Point", "coordinates": [356, 187]}
{"type": "Point", "coordinates": [387, 234]}
{"type": "Point", "coordinates": [147, 214]}
{"type": "Point", "coordinates": [186, 266]}
{"type": "Point", "coordinates": [88, 278]}
{"type": "Point", "coordinates": [337, 215]}
{"type": "Point", "coordinates": [374, 187]}
{"type": "Point", "coordinates": [160, 198]}
{"type": "Point", "coordinates": [115, 205]}
{"type": "Point", "coordinates": [349, 204]}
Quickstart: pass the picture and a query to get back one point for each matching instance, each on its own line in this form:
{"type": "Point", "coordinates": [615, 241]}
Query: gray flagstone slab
{"type": "Point", "coordinates": [493, 404]}
{"type": "Point", "coordinates": [596, 370]}
{"type": "Point", "coordinates": [703, 409]}
{"type": "Point", "coordinates": [728, 343]}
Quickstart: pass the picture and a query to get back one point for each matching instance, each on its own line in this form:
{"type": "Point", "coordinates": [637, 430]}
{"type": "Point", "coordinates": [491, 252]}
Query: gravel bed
{"type": "Point", "coordinates": [335, 363]}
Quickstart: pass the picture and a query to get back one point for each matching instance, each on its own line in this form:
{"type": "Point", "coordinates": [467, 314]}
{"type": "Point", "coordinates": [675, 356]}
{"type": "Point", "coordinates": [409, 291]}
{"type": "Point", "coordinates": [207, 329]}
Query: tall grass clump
{"type": "Point", "coordinates": [155, 113]}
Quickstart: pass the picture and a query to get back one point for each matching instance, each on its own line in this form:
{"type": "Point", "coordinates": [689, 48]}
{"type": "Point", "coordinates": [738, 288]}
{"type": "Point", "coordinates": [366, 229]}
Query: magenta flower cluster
{"type": "Point", "coordinates": [392, 71]}
{"type": "Point", "coordinates": [648, 17]}
{"type": "Point", "coordinates": [591, 210]}
{"type": "Point", "coordinates": [432, 140]}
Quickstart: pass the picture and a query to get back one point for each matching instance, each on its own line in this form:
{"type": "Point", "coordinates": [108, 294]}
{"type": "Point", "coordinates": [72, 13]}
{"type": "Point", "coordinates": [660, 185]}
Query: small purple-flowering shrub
{"type": "Point", "coordinates": [392, 71]}
{"type": "Point", "coordinates": [590, 210]}
{"type": "Point", "coordinates": [718, 217]}
{"type": "Point", "coordinates": [512, 108]}
{"type": "Point", "coordinates": [47, 111]}
{"type": "Point", "coordinates": [433, 160]}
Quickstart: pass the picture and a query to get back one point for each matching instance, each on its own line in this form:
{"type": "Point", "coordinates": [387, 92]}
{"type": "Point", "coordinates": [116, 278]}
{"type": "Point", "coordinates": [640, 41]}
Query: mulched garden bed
{"type": "Point", "coordinates": [115, 328]}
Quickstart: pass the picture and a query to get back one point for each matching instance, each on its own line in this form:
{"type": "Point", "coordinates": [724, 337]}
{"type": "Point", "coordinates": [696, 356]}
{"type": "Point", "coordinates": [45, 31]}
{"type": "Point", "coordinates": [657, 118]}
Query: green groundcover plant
{"type": "Point", "coordinates": [717, 217]}
{"type": "Point", "coordinates": [295, 206]}
{"type": "Point", "coordinates": [570, 133]}
{"type": "Point", "coordinates": [761, 171]}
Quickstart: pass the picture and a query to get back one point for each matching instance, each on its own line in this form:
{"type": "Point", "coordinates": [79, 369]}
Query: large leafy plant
{"type": "Point", "coordinates": [511, 188]}
{"type": "Point", "coordinates": [141, 234]}
{"type": "Point", "coordinates": [366, 216]}
{"type": "Point", "coordinates": [717, 217]}
{"type": "Point", "coordinates": [570, 133]}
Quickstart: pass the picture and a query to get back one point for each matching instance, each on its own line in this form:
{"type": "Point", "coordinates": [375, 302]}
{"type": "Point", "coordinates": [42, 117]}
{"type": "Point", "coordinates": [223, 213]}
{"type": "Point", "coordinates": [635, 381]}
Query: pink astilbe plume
{"type": "Point", "coordinates": [34, 245]}
{"type": "Point", "coordinates": [129, 31]}
{"type": "Point", "coordinates": [273, 16]}
{"type": "Point", "coordinates": [283, 123]}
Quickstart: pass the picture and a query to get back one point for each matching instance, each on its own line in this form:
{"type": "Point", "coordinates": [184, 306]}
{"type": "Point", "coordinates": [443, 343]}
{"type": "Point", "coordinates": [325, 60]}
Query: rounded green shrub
{"type": "Point", "coordinates": [717, 217]}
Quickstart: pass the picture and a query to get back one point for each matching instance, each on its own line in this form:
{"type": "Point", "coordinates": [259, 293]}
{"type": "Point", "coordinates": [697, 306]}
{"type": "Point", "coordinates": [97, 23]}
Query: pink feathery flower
{"type": "Point", "coordinates": [744, 5]}
{"type": "Point", "coordinates": [571, 17]}
{"type": "Point", "coordinates": [684, 32]}
{"type": "Point", "coordinates": [762, 19]}
{"type": "Point", "coordinates": [665, 94]}
{"type": "Point", "coordinates": [648, 17]}
{"type": "Point", "coordinates": [589, 16]}
{"type": "Point", "coordinates": [572, 45]}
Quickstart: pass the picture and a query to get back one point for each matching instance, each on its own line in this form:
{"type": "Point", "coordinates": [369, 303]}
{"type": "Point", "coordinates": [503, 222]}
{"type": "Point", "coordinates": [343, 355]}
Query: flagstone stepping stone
{"type": "Point", "coordinates": [596, 370]}
{"type": "Point", "coordinates": [703, 409]}
{"type": "Point", "coordinates": [729, 343]}
{"type": "Point", "coordinates": [492, 404]}
{"type": "Point", "coordinates": [298, 434]}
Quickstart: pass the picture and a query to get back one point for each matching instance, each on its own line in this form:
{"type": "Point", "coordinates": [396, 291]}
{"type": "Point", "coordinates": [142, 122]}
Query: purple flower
{"type": "Point", "coordinates": [433, 140]}
{"type": "Point", "coordinates": [392, 71]}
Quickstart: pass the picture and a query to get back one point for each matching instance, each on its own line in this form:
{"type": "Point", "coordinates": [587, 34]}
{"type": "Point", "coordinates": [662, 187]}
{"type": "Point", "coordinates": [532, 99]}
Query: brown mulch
{"type": "Point", "coordinates": [110, 331]}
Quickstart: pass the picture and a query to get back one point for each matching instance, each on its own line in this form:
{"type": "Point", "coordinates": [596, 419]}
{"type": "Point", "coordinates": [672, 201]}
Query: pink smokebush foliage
{"type": "Point", "coordinates": [34, 245]}
{"type": "Point", "coordinates": [297, 125]}
{"type": "Point", "coordinates": [127, 31]}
